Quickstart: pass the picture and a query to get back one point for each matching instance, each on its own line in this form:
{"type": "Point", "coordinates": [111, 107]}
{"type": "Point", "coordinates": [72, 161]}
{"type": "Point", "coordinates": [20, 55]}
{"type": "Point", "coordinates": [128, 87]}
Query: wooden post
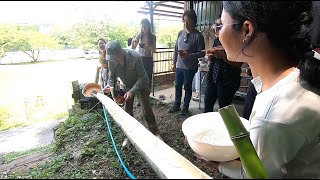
{"type": "Point", "coordinates": [165, 161]}
{"type": "Point", "coordinates": [97, 74]}
{"type": "Point", "coordinates": [76, 91]}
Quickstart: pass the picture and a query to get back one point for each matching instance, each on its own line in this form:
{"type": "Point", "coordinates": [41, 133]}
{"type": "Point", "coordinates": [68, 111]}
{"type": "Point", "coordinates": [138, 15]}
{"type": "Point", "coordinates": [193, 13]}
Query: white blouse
{"type": "Point", "coordinates": [284, 129]}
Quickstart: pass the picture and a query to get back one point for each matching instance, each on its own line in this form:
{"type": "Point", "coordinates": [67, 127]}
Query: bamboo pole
{"type": "Point", "coordinates": [241, 140]}
{"type": "Point", "coordinates": [165, 161]}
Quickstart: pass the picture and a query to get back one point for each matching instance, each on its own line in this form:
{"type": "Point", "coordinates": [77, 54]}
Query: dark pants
{"type": "Point", "coordinates": [148, 66]}
{"type": "Point", "coordinates": [216, 91]}
{"type": "Point", "coordinates": [143, 96]}
{"type": "Point", "coordinates": [183, 77]}
{"type": "Point", "coordinates": [249, 101]}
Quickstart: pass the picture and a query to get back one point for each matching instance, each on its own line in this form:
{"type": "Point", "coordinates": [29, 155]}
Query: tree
{"type": "Point", "coordinates": [24, 38]}
{"type": "Point", "coordinates": [85, 35]}
{"type": "Point", "coordinates": [169, 35]}
{"type": "Point", "coordinates": [121, 33]}
{"type": "Point", "coordinates": [63, 38]}
{"type": "Point", "coordinates": [8, 34]}
{"type": "Point", "coordinates": [32, 42]}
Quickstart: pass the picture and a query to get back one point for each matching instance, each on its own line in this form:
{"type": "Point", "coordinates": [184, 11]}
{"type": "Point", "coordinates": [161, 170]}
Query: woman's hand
{"type": "Point", "coordinates": [212, 164]}
{"type": "Point", "coordinates": [216, 52]}
{"type": "Point", "coordinates": [183, 54]}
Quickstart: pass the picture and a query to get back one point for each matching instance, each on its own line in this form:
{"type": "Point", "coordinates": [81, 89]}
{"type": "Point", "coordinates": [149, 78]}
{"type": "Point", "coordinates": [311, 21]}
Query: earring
{"type": "Point", "coordinates": [245, 39]}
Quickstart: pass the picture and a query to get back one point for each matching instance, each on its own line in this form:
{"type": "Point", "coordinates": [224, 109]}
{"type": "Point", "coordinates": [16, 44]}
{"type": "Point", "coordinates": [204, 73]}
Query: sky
{"type": "Point", "coordinates": [68, 12]}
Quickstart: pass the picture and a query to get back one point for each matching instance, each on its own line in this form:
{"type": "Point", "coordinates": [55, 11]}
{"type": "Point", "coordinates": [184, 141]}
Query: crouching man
{"type": "Point", "coordinates": [127, 65]}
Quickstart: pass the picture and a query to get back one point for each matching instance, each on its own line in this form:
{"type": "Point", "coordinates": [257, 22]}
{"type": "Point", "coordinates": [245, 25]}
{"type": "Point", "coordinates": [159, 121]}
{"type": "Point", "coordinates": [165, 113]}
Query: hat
{"type": "Point", "coordinates": [113, 50]}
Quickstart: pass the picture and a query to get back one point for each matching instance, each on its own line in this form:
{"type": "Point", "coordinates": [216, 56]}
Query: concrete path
{"type": "Point", "coordinates": [194, 106]}
{"type": "Point", "coordinates": [25, 138]}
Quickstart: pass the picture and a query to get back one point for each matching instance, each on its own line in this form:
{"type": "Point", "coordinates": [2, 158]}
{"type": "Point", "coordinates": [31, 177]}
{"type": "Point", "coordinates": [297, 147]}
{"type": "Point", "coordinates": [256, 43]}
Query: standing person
{"type": "Point", "coordinates": [127, 65]}
{"type": "Point", "coordinates": [223, 76]}
{"type": "Point", "coordinates": [315, 42]}
{"type": "Point", "coordinates": [147, 46]}
{"type": "Point", "coordinates": [273, 38]}
{"type": "Point", "coordinates": [103, 75]}
{"type": "Point", "coordinates": [104, 70]}
{"type": "Point", "coordinates": [250, 98]}
{"type": "Point", "coordinates": [189, 47]}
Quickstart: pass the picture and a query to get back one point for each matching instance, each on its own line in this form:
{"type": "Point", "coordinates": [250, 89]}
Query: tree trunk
{"type": "Point", "coordinates": [32, 55]}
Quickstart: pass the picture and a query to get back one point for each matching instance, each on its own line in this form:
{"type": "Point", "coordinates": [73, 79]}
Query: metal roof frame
{"type": "Point", "coordinates": [173, 9]}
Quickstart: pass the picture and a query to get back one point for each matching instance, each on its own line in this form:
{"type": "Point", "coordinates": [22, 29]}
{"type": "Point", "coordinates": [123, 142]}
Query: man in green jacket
{"type": "Point", "coordinates": [127, 65]}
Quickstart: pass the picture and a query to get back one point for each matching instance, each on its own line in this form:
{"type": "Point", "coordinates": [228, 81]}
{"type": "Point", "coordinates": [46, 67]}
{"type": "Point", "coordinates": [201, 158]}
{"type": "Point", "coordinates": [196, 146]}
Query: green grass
{"type": "Point", "coordinates": [16, 155]}
{"type": "Point", "coordinates": [8, 122]}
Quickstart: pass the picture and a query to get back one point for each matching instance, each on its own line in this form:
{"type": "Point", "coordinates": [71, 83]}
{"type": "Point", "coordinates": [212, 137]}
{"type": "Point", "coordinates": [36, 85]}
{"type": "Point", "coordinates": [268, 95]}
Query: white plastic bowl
{"type": "Point", "coordinates": [207, 136]}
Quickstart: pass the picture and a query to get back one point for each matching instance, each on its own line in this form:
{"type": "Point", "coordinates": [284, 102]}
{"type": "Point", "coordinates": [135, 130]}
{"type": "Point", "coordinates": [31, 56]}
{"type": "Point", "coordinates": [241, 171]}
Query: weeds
{"type": "Point", "coordinates": [16, 155]}
{"type": "Point", "coordinates": [84, 149]}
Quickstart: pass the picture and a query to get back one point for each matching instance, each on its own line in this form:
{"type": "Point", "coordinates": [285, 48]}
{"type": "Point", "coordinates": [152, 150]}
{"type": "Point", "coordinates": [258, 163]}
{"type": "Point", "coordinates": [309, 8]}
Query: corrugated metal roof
{"type": "Point", "coordinates": [173, 9]}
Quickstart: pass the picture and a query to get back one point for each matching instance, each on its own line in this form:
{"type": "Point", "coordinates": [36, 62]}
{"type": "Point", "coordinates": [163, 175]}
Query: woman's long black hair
{"type": "Point", "coordinates": [145, 21]}
{"type": "Point", "coordinates": [287, 26]}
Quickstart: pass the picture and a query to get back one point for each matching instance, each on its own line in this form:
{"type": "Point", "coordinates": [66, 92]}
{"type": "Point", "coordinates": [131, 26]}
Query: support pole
{"type": "Point", "coordinates": [97, 74]}
{"type": "Point", "coordinates": [75, 91]}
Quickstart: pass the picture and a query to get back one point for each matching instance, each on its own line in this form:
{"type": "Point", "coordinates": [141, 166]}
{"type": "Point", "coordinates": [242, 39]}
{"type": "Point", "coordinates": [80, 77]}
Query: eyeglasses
{"type": "Point", "coordinates": [217, 27]}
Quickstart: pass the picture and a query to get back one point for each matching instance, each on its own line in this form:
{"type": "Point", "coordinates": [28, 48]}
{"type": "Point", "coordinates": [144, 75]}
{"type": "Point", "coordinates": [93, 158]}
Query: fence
{"type": "Point", "coordinates": [163, 61]}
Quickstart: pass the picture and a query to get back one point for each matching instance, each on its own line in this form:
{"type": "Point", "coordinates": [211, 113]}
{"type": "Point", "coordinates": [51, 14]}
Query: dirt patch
{"type": "Point", "coordinates": [24, 164]}
{"type": "Point", "coordinates": [171, 132]}
{"type": "Point", "coordinates": [163, 81]}
{"type": "Point", "coordinates": [85, 149]}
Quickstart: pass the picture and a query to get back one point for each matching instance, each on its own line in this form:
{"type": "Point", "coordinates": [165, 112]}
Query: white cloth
{"type": "Point", "coordinates": [316, 55]}
{"type": "Point", "coordinates": [137, 48]}
{"type": "Point", "coordinates": [122, 86]}
{"type": "Point", "coordinates": [284, 128]}
{"type": "Point", "coordinates": [103, 77]}
{"type": "Point", "coordinates": [197, 81]}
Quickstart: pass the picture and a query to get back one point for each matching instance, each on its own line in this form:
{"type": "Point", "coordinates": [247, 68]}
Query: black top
{"type": "Point", "coordinates": [221, 72]}
{"type": "Point", "coordinates": [315, 27]}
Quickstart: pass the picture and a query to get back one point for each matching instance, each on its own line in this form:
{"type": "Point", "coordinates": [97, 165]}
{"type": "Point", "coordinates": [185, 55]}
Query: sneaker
{"type": "Point", "coordinates": [184, 112]}
{"type": "Point", "coordinates": [174, 109]}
